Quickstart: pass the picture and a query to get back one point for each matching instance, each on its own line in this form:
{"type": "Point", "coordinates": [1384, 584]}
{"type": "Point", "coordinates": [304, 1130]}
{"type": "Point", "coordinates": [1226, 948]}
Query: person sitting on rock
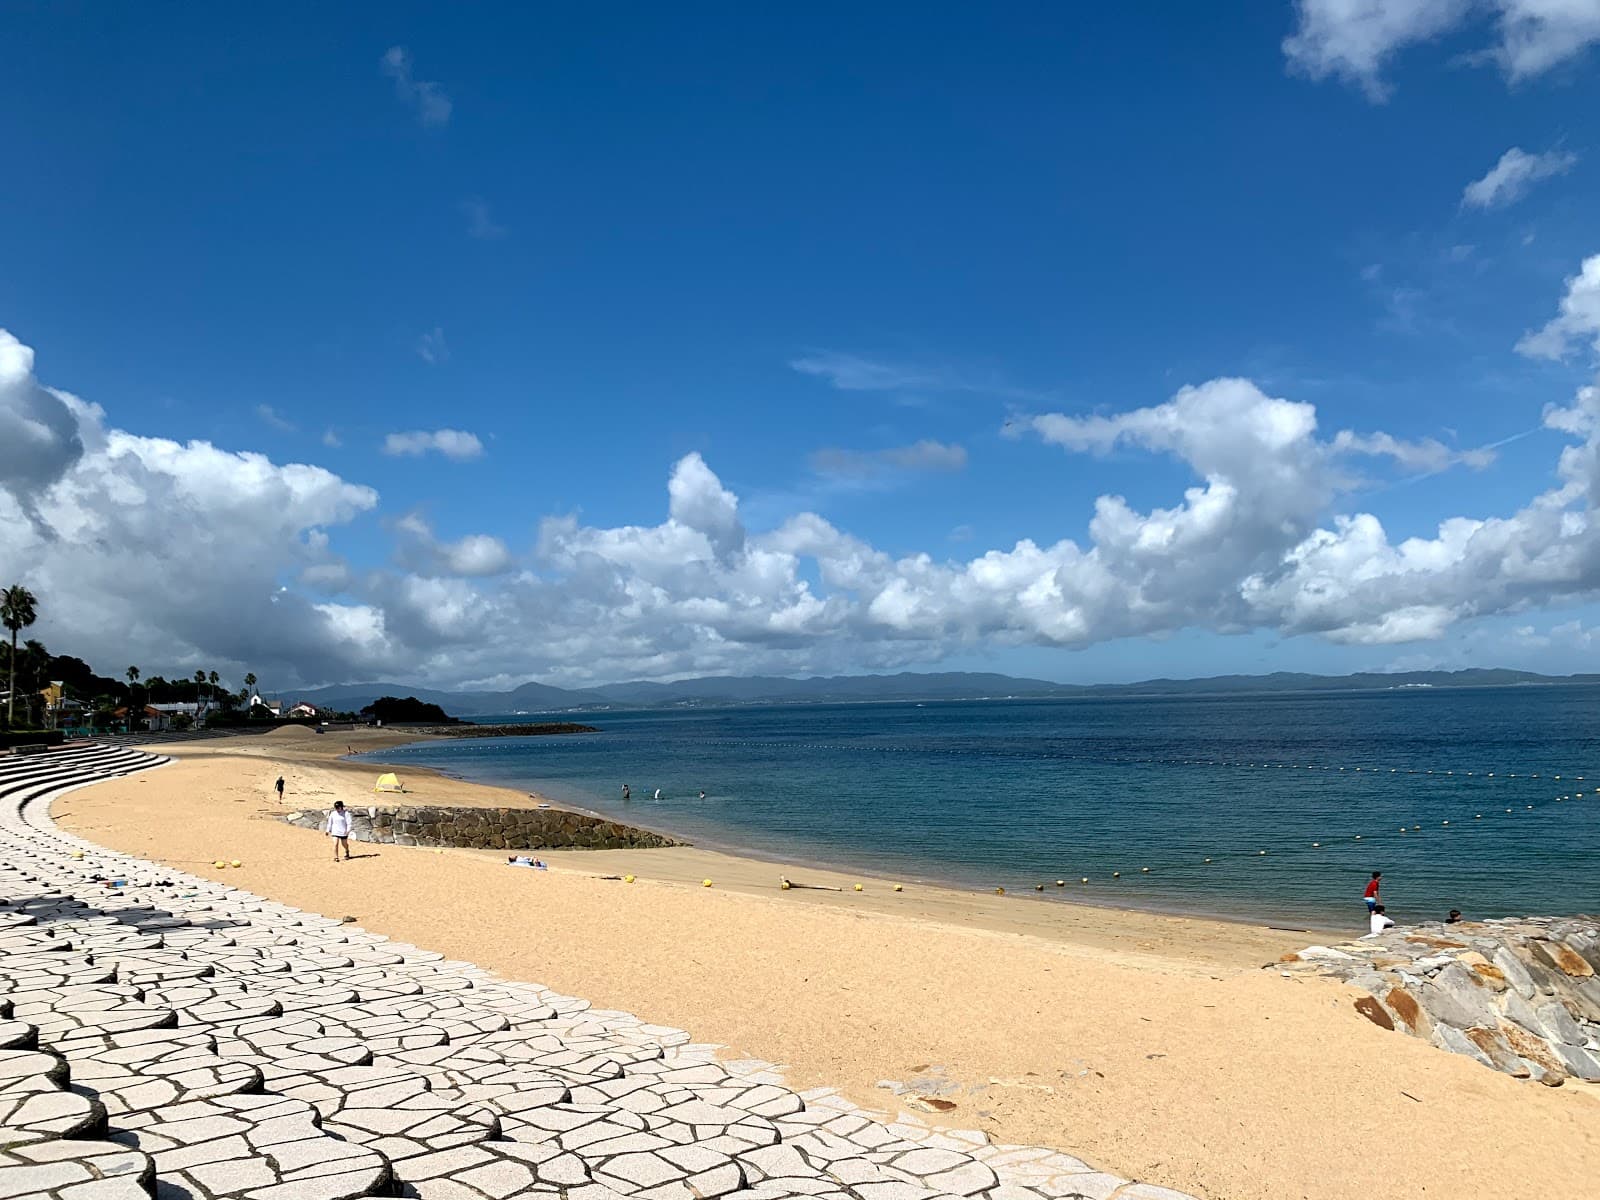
{"type": "Point", "coordinates": [1379, 922]}
{"type": "Point", "coordinates": [1455, 917]}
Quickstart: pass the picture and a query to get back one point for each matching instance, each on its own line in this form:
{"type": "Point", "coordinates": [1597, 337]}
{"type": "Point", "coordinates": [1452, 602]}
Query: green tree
{"type": "Point", "coordinates": [19, 608]}
{"type": "Point", "coordinates": [250, 684]}
{"type": "Point", "coordinates": [36, 666]}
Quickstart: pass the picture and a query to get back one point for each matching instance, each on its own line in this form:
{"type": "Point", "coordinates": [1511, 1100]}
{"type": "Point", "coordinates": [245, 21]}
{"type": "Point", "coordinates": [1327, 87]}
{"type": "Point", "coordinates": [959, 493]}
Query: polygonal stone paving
{"type": "Point", "coordinates": [179, 1038]}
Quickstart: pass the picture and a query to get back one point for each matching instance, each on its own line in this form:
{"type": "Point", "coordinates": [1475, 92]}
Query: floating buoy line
{"type": "Point", "coordinates": [1326, 844]}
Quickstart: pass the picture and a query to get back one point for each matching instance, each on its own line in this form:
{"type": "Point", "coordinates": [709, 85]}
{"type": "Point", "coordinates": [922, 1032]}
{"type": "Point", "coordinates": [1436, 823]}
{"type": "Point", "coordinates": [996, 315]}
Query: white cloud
{"type": "Point", "coordinates": [480, 223]}
{"type": "Point", "coordinates": [184, 555]}
{"type": "Point", "coordinates": [1510, 178]}
{"type": "Point", "coordinates": [924, 455]}
{"type": "Point", "coordinates": [167, 554]}
{"type": "Point", "coordinates": [861, 373]}
{"type": "Point", "coordinates": [1536, 35]}
{"type": "Point", "coordinates": [432, 348]}
{"type": "Point", "coordinates": [1356, 39]}
{"type": "Point", "coordinates": [271, 416]}
{"type": "Point", "coordinates": [1577, 321]}
{"type": "Point", "coordinates": [476, 554]}
{"type": "Point", "coordinates": [330, 438]}
{"type": "Point", "coordinates": [432, 105]}
{"type": "Point", "coordinates": [39, 436]}
{"type": "Point", "coordinates": [455, 444]}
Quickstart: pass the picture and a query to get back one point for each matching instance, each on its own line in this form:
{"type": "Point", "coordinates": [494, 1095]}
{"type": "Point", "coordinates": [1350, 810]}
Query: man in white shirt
{"type": "Point", "coordinates": [1379, 922]}
{"type": "Point", "coordinates": [338, 828]}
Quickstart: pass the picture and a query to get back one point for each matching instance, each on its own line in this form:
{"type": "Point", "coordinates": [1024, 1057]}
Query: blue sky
{"type": "Point", "coordinates": [852, 259]}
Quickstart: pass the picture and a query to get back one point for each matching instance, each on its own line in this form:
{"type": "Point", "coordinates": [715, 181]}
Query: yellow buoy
{"type": "Point", "coordinates": [1146, 870]}
{"type": "Point", "coordinates": [236, 863]}
{"type": "Point", "coordinates": [1477, 816]}
{"type": "Point", "coordinates": [1000, 891]}
{"type": "Point", "coordinates": [785, 885]}
{"type": "Point", "coordinates": [705, 883]}
{"type": "Point", "coordinates": [1038, 887]}
{"type": "Point", "coordinates": [898, 888]}
{"type": "Point", "coordinates": [1316, 845]}
{"type": "Point", "coordinates": [1208, 860]}
{"type": "Point", "coordinates": [1116, 874]}
{"type": "Point", "coordinates": [77, 854]}
{"type": "Point", "coordinates": [629, 879]}
{"type": "Point", "coordinates": [858, 887]}
{"type": "Point", "coordinates": [219, 864]}
{"type": "Point", "coordinates": [1358, 837]}
{"type": "Point", "coordinates": [1061, 883]}
{"type": "Point", "coordinates": [1260, 851]}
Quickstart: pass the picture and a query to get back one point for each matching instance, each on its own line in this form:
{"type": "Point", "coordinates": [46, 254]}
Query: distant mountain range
{"type": "Point", "coordinates": [945, 685]}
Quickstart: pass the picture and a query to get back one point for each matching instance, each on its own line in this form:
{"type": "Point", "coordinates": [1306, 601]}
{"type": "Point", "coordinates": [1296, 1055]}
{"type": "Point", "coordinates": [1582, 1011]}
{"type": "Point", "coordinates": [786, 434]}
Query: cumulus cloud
{"type": "Point", "coordinates": [183, 555]}
{"type": "Point", "coordinates": [39, 437]}
{"type": "Point", "coordinates": [1356, 39]}
{"type": "Point", "coordinates": [924, 455]}
{"type": "Point", "coordinates": [432, 348]}
{"type": "Point", "coordinates": [1509, 179]}
{"type": "Point", "coordinates": [1577, 321]}
{"type": "Point", "coordinates": [454, 444]}
{"type": "Point", "coordinates": [419, 550]}
{"type": "Point", "coordinates": [168, 554]}
{"type": "Point", "coordinates": [428, 99]}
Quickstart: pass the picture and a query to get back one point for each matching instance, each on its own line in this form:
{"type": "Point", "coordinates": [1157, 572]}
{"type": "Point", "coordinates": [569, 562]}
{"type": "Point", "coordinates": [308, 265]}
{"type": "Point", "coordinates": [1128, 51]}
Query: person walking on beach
{"type": "Point", "coordinates": [1379, 922]}
{"type": "Point", "coordinates": [279, 786]}
{"type": "Point", "coordinates": [1371, 894]}
{"type": "Point", "coordinates": [625, 793]}
{"type": "Point", "coordinates": [338, 828]}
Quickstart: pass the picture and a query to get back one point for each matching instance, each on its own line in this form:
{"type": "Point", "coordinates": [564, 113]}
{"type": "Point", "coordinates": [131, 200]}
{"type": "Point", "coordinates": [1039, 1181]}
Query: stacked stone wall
{"type": "Point", "coordinates": [1521, 995]}
{"type": "Point", "coordinates": [487, 828]}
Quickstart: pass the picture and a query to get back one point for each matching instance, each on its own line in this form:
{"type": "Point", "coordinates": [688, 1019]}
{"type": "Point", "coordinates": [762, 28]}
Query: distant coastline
{"type": "Point", "coordinates": [911, 687]}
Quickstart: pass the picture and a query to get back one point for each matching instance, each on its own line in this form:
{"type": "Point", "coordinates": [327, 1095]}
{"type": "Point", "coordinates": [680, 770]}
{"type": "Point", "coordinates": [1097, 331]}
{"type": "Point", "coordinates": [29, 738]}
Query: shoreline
{"type": "Point", "coordinates": [1142, 1043]}
{"type": "Point", "coordinates": [758, 856]}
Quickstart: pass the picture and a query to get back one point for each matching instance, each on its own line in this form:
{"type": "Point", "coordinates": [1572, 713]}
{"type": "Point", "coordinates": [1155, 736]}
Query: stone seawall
{"type": "Point", "coordinates": [1521, 995]}
{"type": "Point", "coordinates": [487, 828]}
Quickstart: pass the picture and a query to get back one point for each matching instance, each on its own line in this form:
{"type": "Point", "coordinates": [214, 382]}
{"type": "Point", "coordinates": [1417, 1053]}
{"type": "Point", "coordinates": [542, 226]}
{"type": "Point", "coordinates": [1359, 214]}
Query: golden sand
{"type": "Point", "coordinates": [1154, 1046]}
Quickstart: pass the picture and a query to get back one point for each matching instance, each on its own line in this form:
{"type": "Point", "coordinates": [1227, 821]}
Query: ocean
{"type": "Point", "coordinates": [1266, 808]}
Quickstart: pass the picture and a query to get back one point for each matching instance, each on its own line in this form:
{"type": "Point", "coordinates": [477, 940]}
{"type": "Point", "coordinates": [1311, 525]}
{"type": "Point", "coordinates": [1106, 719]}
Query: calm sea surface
{"type": "Point", "coordinates": [1014, 793]}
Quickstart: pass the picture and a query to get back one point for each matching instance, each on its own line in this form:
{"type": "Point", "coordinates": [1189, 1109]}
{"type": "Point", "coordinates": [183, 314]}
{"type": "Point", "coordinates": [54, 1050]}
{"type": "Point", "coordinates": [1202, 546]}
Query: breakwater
{"type": "Point", "coordinates": [487, 828]}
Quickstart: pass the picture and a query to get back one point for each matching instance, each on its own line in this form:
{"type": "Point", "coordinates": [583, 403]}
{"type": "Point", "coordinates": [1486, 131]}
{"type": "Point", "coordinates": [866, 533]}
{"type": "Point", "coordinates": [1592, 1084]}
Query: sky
{"type": "Point", "coordinates": [468, 345]}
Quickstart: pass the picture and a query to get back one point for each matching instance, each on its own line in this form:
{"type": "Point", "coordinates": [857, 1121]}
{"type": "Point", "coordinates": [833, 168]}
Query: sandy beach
{"type": "Point", "coordinates": [1153, 1045]}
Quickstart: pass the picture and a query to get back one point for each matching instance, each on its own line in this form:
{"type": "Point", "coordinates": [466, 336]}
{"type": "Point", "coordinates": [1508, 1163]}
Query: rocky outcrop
{"type": "Point", "coordinates": [1521, 995]}
{"type": "Point", "coordinates": [488, 828]}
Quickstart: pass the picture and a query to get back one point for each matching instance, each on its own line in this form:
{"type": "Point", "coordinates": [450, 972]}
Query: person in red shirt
{"type": "Point", "coordinates": [1371, 894]}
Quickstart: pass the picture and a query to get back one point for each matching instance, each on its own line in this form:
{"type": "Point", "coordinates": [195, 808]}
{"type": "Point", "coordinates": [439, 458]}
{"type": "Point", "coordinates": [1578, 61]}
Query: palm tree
{"type": "Point", "coordinates": [250, 685]}
{"type": "Point", "coordinates": [19, 608]}
{"type": "Point", "coordinates": [133, 677]}
{"type": "Point", "coordinates": [211, 692]}
{"type": "Point", "coordinates": [199, 682]}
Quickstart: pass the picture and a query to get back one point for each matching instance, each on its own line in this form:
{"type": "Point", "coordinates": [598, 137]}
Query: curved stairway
{"type": "Point", "coordinates": [178, 1038]}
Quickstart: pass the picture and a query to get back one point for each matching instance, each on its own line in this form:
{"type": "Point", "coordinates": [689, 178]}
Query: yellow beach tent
{"type": "Point", "coordinates": [388, 782]}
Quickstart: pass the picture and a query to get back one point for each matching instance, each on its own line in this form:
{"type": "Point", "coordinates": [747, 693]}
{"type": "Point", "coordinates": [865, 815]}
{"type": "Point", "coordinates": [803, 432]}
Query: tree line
{"type": "Point", "coordinates": [30, 668]}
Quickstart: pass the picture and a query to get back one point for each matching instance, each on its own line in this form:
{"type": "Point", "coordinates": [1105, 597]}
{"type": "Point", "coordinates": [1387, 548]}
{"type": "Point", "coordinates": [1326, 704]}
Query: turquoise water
{"type": "Point", "coordinates": [1014, 793]}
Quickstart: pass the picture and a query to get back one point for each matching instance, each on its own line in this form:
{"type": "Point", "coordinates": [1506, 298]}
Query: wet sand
{"type": "Point", "coordinates": [1153, 1045]}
